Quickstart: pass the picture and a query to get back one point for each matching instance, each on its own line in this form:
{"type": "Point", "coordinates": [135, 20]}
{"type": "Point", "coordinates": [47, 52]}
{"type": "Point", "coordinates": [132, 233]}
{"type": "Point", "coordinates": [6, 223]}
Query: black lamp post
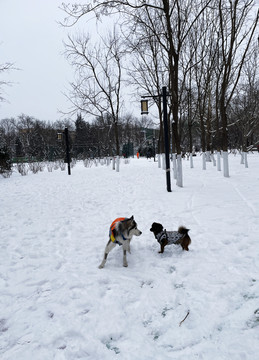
{"type": "Point", "coordinates": [60, 139]}
{"type": "Point", "coordinates": [167, 162]}
{"type": "Point", "coordinates": [67, 151]}
{"type": "Point", "coordinates": [144, 110]}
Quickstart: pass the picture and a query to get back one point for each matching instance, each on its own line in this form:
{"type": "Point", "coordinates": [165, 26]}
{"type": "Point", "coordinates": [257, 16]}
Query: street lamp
{"type": "Point", "coordinates": [144, 107]}
{"type": "Point", "coordinates": [144, 110]}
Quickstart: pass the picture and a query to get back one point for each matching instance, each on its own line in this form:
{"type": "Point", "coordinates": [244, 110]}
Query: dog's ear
{"type": "Point", "coordinates": [132, 217]}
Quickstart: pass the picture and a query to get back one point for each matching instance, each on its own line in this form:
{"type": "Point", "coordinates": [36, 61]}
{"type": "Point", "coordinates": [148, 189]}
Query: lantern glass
{"type": "Point", "coordinates": [144, 107]}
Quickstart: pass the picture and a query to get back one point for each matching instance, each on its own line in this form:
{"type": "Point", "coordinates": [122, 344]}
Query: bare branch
{"type": "Point", "coordinates": [188, 312]}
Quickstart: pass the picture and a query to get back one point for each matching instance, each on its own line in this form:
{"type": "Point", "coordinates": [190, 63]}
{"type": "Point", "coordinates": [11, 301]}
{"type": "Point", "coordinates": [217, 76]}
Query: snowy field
{"type": "Point", "coordinates": [56, 304]}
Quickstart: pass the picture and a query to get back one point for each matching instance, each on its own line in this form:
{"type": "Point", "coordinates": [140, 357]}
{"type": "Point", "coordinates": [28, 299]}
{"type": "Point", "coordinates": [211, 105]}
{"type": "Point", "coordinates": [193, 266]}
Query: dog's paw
{"type": "Point", "coordinates": [125, 264]}
{"type": "Point", "coordinates": [101, 266]}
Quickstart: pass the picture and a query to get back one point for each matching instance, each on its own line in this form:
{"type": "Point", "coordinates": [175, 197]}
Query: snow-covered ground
{"type": "Point", "coordinates": [56, 304]}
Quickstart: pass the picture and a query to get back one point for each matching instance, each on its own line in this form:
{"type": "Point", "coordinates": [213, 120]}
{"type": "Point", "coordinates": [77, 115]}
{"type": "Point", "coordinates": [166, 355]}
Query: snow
{"type": "Point", "coordinates": [56, 304]}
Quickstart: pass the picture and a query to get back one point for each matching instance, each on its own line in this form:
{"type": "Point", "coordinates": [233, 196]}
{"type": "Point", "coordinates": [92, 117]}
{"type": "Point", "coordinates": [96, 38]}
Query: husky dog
{"type": "Point", "coordinates": [121, 233]}
{"type": "Point", "coordinates": [171, 237]}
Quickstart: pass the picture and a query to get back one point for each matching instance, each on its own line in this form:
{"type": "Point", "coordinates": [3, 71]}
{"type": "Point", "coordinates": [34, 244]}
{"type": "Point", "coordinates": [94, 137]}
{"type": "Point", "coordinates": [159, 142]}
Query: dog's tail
{"type": "Point", "coordinates": [183, 230]}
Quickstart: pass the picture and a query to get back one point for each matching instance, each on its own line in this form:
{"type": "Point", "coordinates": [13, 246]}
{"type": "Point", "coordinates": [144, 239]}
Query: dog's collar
{"type": "Point", "coordinates": [123, 237]}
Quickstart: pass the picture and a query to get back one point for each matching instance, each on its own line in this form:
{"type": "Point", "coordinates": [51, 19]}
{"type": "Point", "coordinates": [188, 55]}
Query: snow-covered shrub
{"type": "Point", "coordinates": [50, 166]}
{"type": "Point", "coordinates": [22, 168]}
{"type": "Point", "coordinates": [36, 166]}
{"type": "Point", "coordinates": [6, 173]}
{"type": "Point", "coordinates": [42, 165]}
{"type": "Point", "coordinates": [73, 163]}
{"type": "Point", "coordinates": [62, 165]}
{"type": "Point", "coordinates": [56, 165]}
{"type": "Point", "coordinates": [87, 163]}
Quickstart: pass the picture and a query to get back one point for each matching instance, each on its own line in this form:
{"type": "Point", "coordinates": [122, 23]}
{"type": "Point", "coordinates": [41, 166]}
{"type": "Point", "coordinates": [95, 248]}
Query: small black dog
{"type": "Point", "coordinates": [164, 237]}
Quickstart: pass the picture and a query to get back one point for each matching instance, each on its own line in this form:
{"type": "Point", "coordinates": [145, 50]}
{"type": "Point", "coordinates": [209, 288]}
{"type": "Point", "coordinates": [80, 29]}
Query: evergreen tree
{"type": "Point", "coordinates": [80, 137]}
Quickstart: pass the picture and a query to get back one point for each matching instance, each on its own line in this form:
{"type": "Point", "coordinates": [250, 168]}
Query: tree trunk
{"type": "Point", "coordinates": [224, 138]}
{"type": "Point", "coordinates": [116, 138]}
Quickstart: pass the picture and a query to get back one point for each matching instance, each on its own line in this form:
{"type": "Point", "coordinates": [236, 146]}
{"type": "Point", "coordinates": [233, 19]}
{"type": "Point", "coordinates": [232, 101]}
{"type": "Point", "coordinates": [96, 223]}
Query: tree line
{"type": "Point", "coordinates": [27, 139]}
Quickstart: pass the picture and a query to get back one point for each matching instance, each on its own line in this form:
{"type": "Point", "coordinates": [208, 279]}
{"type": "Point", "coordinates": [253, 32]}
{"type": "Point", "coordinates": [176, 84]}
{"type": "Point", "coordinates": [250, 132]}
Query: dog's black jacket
{"type": "Point", "coordinates": [172, 237]}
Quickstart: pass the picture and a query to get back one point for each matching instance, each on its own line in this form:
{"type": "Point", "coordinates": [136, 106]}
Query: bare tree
{"type": "Point", "coordinates": [147, 69]}
{"type": "Point", "coordinates": [235, 37]}
{"type": "Point", "coordinates": [203, 45]}
{"type": "Point", "coordinates": [97, 86]}
{"type": "Point", "coordinates": [169, 22]}
{"type": "Point", "coordinates": [244, 112]}
{"type": "Point", "coordinates": [4, 68]}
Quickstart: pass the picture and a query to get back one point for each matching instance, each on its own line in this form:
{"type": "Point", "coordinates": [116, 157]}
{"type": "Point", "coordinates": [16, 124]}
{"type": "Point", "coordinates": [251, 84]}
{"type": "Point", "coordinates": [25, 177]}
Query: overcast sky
{"type": "Point", "coordinates": [31, 38]}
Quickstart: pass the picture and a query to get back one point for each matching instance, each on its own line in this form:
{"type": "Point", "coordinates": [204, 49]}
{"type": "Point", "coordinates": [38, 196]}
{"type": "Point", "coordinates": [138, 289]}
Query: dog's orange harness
{"type": "Point", "coordinates": [112, 227]}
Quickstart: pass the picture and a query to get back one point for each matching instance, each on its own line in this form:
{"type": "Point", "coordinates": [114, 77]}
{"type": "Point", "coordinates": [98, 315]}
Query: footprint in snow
{"type": "Point", "coordinates": [3, 327]}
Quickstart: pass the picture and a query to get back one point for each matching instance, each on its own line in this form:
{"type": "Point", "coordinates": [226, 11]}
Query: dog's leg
{"type": "Point", "coordinates": [125, 263]}
{"type": "Point", "coordinates": [161, 249]}
{"type": "Point", "coordinates": [126, 247]}
{"type": "Point", "coordinates": [163, 244]}
{"type": "Point", "coordinates": [186, 242]}
{"type": "Point", "coordinates": [110, 245]}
